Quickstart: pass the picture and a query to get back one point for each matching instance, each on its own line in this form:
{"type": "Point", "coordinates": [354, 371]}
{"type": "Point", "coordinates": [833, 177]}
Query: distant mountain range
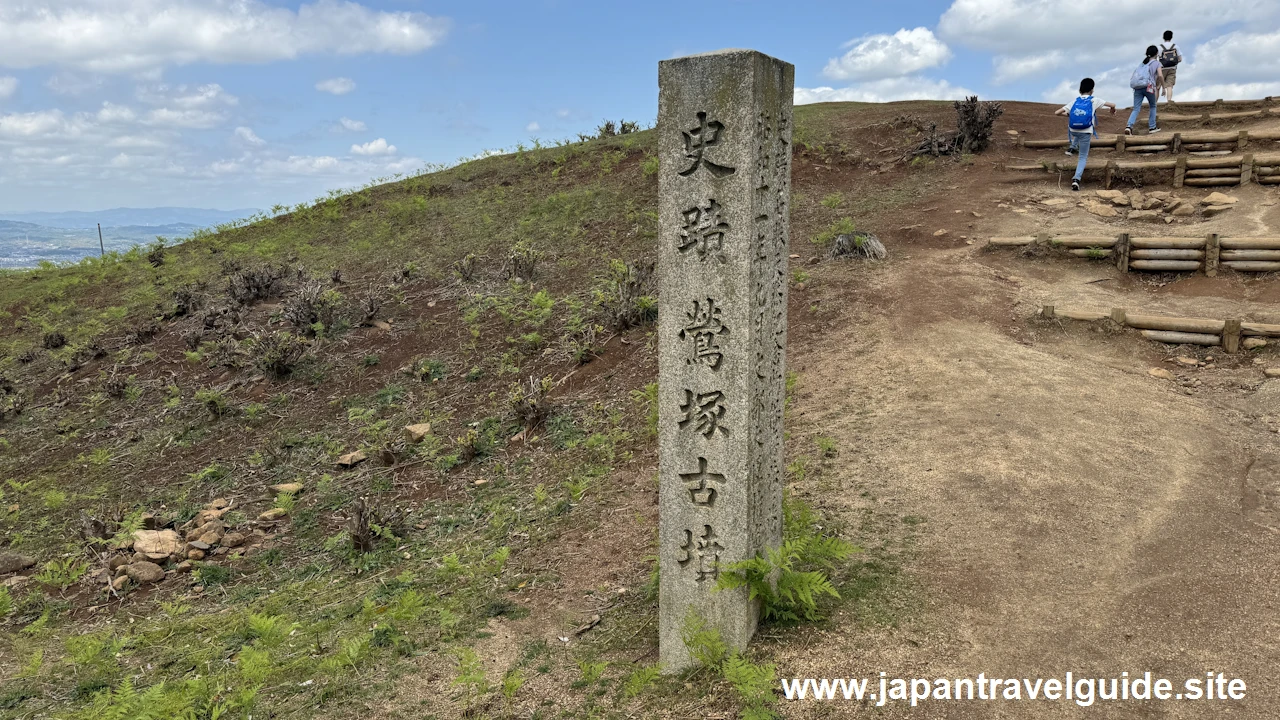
{"type": "Point", "coordinates": [28, 238]}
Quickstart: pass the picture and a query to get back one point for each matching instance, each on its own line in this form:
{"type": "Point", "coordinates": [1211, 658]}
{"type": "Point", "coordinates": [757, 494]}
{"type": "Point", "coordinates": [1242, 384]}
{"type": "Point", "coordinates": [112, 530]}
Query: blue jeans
{"type": "Point", "coordinates": [1140, 94]}
{"type": "Point", "coordinates": [1080, 141]}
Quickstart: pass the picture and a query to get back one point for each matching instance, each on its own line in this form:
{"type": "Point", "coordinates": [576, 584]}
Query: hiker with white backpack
{"type": "Point", "coordinates": [1081, 116]}
{"type": "Point", "coordinates": [1170, 58]}
{"type": "Point", "coordinates": [1145, 82]}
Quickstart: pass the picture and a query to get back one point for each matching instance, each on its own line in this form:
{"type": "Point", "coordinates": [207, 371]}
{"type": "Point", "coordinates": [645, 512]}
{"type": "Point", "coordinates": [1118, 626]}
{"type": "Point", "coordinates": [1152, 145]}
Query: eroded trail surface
{"type": "Point", "coordinates": [1078, 514]}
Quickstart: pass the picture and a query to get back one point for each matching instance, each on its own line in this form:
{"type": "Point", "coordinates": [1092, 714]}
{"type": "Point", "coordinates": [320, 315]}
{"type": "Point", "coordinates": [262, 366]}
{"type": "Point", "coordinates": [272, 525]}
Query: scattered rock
{"type": "Point", "coordinates": [213, 537]}
{"type": "Point", "coordinates": [352, 459]}
{"type": "Point", "coordinates": [273, 514]}
{"type": "Point", "coordinates": [1184, 360]}
{"type": "Point", "coordinates": [1121, 201]}
{"type": "Point", "coordinates": [117, 562]}
{"type": "Point", "coordinates": [1108, 194]}
{"type": "Point", "coordinates": [1182, 210]}
{"type": "Point", "coordinates": [119, 583]}
{"type": "Point", "coordinates": [1215, 210]}
{"type": "Point", "coordinates": [292, 488]}
{"type": "Point", "coordinates": [1168, 220]}
{"type": "Point", "coordinates": [382, 324]}
{"type": "Point", "coordinates": [202, 518]}
{"type": "Point", "coordinates": [1160, 373]}
{"type": "Point", "coordinates": [150, 522]}
{"type": "Point", "coordinates": [197, 545]}
{"type": "Point", "coordinates": [1173, 203]}
{"type": "Point", "coordinates": [977, 214]}
{"type": "Point", "coordinates": [157, 544]}
{"type": "Point", "coordinates": [183, 567]}
{"type": "Point", "coordinates": [1218, 198]}
{"type": "Point", "coordinates": [213, 526]}
{"type": "Point", "coordinates": [1159, 194]}
{"type": "Point", "coordinates": [13, 562]}
{"type": "Point", "coordinates": [1272, 372]}
{"type": "Point", "coordinates": [1102, 210]}
{"type": "Point", "coordinates": [415, 433]}
{"type": "Point", "coordinates": [1011, 132]}
{"type": "Point", "coordinates": [1054, 202]}
{"type": "Point", "coordinates": [219, 504]}
{"type": "Point", "coordinates": [1253, 343]}
{"type": "Point", "coordinates": [1144, 215]}
{"type": "Point", "coordinates": [233, 540]}
{"type": "Point", "coordinates": [145, 572]}
{"type": "Point", "coordinates": [195, 554]}
{"type": "Point", "coordinates": [1020, 211]}
{"type": "Point", "coordinates": [940, 233]}
{"type": "Point", "coordinates": [1152, 203]}
{"type": "Point", "coordinates": [1135, 196]}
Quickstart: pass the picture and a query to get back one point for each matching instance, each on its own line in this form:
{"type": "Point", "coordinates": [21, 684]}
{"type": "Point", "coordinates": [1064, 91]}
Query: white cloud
{"type": "Point", "coordinates": [112, 36]}
{"type": "Point", "coordinates": [532, 127]}
{"type": "Point", "coordinates": [249, 137]}
{"type": "Point", "coordinates": [1234, 58]}
{"type": "Point", "coordinates": [336, 86]}
{"type": "Point", "coordinates": [186, 119]}
{"type": "Point", "coordinates": [352, 125]}
{"type": "Point", "coordinates": [905, 88]}
{"type": "Point", "coordinates": [877, 57]}
{"type": "Point", "coordinates": [34, 124]}
{"type": "Point", "coordinates": [8, 86]}
{"type": "Point", "coordinates": [375, 147]}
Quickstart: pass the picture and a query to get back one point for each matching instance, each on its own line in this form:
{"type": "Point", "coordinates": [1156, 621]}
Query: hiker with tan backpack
{"type": "Point", "coordinates": [1170, 58]}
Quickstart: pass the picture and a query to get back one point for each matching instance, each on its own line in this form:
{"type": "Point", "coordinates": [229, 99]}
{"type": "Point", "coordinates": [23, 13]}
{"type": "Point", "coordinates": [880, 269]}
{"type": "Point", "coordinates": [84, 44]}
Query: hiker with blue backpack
{"type": "Point", "coordinates": [1080, 125]}
{"type": "Point", "coordinates": [1145, 81]}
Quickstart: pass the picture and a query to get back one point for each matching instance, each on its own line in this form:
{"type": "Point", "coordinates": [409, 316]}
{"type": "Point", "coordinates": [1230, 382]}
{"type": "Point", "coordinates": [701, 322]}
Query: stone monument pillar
{"type": "Point", "coordinates": [724, 144]}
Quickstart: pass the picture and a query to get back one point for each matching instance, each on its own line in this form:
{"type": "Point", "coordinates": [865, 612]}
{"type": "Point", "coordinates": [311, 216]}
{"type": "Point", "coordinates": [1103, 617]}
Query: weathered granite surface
{"type": "Point", "coordinates": [724, 126]}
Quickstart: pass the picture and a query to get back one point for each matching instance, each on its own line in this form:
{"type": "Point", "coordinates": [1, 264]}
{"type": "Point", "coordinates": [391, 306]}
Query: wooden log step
{"type": "Point", "coordinates": [1262, 171]}
{"type": "Point", "coordinates": [1151, 243]}
{"type": "Point", "coordinates": [1064, 142]}
{"type": "Point", "coordinates": [1151, 148]}
{"type": "Point", "coordinates": [1269, 180]}
{"type": "Point", "coordinates": [1037, 166]}
{"type": "Point", "coordinates": [1182, 338]}
{"type": "Point", "coordinates": [1214, 172]}
{"type": "Point", "coordinates": [1147, 165]}
{"type": "Point", "coordinates": [1249, 243]}
{"type": "Point", "coordinates": [1252, 266]}
{"type": "Point", "coordinates": [1178, 324]}
{"type": "Point", "coordinates": [1235, 115]}
{"type": "Point", "coordinates": [1166, 254]}
{"type": "Point", "coordinates": [1011, 241]}
{"type": "Point", "coordinates": [1086, 315]}
{"type": "Point", "coordinates": [1084, 241]}
{"type": "Point", "coordinates": [1270, 255]}
{"type": "Point", "coordinates": [1212, 181]}
{"type": "Point", "coordinates": [1165, 265]}
{"type": "Point", "coordinates": [1263, 329]}
{"type": "Point", "coordinates": [1209, 153]}
{"type": "Point", "coordinates": [1091, 252]}
{"type": "Point", "coordinates": [1178, 117]}
{"type": "Point", "coordinates": [1217, 161]}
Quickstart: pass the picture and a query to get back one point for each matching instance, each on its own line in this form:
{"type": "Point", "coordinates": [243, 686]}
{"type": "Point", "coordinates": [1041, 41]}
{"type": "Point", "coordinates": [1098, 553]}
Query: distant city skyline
{"type": "Point", "coordinates": [250, 103]}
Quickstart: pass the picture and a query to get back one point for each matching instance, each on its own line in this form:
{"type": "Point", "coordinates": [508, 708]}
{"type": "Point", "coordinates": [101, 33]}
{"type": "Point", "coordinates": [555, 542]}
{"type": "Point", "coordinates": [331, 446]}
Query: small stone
{"type": "Point", "coordinates": [1159, 194]}
{"type": "Point", "coordinates": [1144, 215]}
{"type": "Point", "coordinates": [183, 567]}
{"type": "Point", "coordinates": [1011, 132]}
{"type": "Point", "coordinates": [211, 538]}
{"type": "Point", "coordinates": [1121, 201]}
{"type": "Point", "coordinates": [202, 518]}
{"type": "Point", "coordinates": [1218, 198]}
{"type": "Point", "coordinates": [1173, 203]}
{"type": "Point", "coordinates": [382, 324]}
{"type": "Point", "coordinates": [1020, 211]}
{"type": "Point", "coordinates": [150, 522]}
{"type": "Point", "coordinates": [273, 514]}
{"type": "Point", "coordinates": [1168, 220]}
{"type": "Point", "coordinates": [1108, 194]}
{"type": "Point", "coordinates": [416, 433]}
{"type": "Point", "coordinates": [292, 488]}
{"type": "Point", "coordinates": [977, 214]}
{"type": "Point", "coordinates": [1002, 206]}
{"type": "Point", "coordinates": [145, 572]}
{"type": "Point", "coordinates": [117, 562]}
{"type": "Point", "coordinates": [13, 562]}
{"type": "Point", "coordinates": [1184, 360]}
{"type": "Point", "coordinates": [940, 233]}
{"type": "Point", "coordinates": [1183, 210]}
{"type": "Point", "coordinates": [213, 526]}
{"type": "Point", "coordinates": [1160, 373]}
{"type": "Point", "coordinates": [1152, 204]}
{"type": "Point", "coordinates": [156, 544]}
{"type": "Point", "coordinates": [233, 540]}
{"type": "Point", "coordinates": [195, 554]}
{"type": "Point", "coordinates": [1253, 343]}
{"type": "Point", "coordinates": [197, 545]}
{"type": "Point", "coordinates": [1054, 202]}
{"type": "Point", "coordinates": [119, 583]}
{"type": "Point", "coordinates": [1272, 372]}
{"type": "Point", "coordinates": [219, 503]}
{"type": "Point", "coordinates": [1102, 210]}
{"type": "Point", "coordinates": [1135, 196]}
{"type": "Point", "coordinates": [352, 459]}
{"type": "Point", "coordinates": [1215, 210]}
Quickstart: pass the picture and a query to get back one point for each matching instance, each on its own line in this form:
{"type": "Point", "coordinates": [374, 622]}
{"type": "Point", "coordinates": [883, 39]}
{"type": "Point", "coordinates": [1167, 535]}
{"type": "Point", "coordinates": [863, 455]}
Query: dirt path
{"type": "Point", "coordinates": [1081, 515]}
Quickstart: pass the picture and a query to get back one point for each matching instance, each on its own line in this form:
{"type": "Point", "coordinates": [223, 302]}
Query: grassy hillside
{"type": "Point", "coordinates": [504, 302]}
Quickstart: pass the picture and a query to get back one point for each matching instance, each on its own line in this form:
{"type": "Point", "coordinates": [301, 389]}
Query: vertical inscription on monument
{"type": "Point", "coordinates": [724, 126]}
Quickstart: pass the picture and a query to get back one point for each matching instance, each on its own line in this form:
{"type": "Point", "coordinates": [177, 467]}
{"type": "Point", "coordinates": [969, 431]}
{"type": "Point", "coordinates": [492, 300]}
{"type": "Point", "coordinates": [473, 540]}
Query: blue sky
{"type": "Point", "coordinates": [249, 103]}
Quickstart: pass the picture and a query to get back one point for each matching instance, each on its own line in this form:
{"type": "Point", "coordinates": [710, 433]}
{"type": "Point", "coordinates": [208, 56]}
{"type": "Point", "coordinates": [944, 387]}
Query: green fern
{"type": "Point", "coordinates": [6, 602]}
{"type": "Point", "coordinates": [641, 679]}
{"type": "Point", "coordinates": [754, 685]}
{"type": "Point", "coordinates": [126, 703]}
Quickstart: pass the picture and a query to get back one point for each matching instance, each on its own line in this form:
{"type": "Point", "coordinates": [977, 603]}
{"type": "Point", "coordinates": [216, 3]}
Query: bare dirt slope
{"type": "Point", "coordinates": [1080, 515]}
